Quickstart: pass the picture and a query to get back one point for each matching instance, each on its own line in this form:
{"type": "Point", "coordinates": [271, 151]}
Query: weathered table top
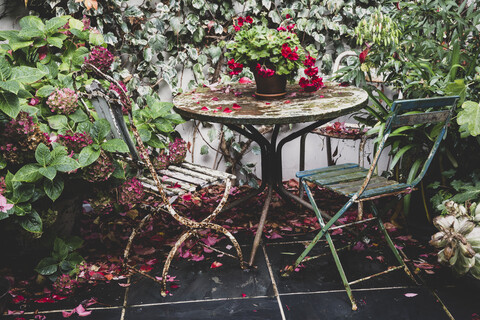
{"type": "Point", "coordinates": [236, 104]}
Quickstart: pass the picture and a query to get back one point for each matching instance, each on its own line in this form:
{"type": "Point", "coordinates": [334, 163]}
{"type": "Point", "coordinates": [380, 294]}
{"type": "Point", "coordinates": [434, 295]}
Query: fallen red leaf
{"type": "Point", "coordinates": [18, 299]}
{"type": "Point", "coordinates": [244, 80]}
{"type": "Point", "coordinates": [57, 297]}
{"type": "Point", "coordinates": [216, 264]}
{"type": "Point", "coordinates": [45, 300]}
{"type": "Point", "coordinates": [145, 268]}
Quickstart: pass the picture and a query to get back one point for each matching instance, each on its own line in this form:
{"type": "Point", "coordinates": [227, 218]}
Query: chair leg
{"type": "Point", "coordinates": [302, 162]}
{"type": "Point", "coordinates": [390, 242]}
{"type": "Point", "coordinates": [360, 211]}
{"type": "Point", "coordinates": [289, 269]}
{"type": "Point", "coordinates": [183, 238]}
{"type": "Point", "coordinates": [336, 258]}
{"type": "Point", "coordinates": [171, 254]}
{"type": "Point", "coordinates": [328, 142]}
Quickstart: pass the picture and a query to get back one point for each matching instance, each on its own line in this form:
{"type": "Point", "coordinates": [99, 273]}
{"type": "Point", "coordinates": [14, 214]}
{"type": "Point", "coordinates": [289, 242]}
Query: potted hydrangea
{"type": "Point", "coordinates": [273, 55]}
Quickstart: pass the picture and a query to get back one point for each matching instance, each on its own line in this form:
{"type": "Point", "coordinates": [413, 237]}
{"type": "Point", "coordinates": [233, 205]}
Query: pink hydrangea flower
{"type": "Point", "coordinates": [64, 101]}
{"type": "Point", "coordinates": [101, 58]}
{"type": "Point", "coordinates": [4, 206]}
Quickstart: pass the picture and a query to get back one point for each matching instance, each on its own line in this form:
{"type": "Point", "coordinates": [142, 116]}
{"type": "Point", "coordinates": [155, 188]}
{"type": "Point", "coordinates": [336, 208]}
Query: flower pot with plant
{"type": "Point", "coordinates": [273, 55]}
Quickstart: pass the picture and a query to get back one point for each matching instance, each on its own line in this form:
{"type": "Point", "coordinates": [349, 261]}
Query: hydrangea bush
{"type": "Point", "coordinates": [47, 136]}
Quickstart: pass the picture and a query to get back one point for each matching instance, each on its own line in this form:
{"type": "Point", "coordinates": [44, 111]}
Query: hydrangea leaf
{"type": "Point", "coordinates": [469, 116]}
{"type": "Point", "coordinates": [31, 222]}
{"type": "Point", "coordinates": [9, 104]}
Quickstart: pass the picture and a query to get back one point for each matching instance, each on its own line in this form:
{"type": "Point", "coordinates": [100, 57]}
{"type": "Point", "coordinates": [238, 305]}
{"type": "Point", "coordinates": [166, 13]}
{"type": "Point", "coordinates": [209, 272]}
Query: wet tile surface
{"type": "Point", "coordinates": [463, 301]}
{"type": "Point", "coordinates": [261, 308]}
{"type": "Point", "coordinates": [376, 304]}
{"type": "Point", "coordinates": [103, 314]}
{"type": "Point", "coordinates": [321, 274]}
{"type": "Point", "coordinates": [314, 292]}
{"type": "Point", "coordinates": [198, 281]}
{"type": "Point", "coordinates": [107, 294]}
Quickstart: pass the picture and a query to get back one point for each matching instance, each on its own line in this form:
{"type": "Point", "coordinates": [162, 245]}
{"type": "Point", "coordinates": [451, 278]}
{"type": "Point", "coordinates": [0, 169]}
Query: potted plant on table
{"type": "Point", "coordinates": [273, 55]}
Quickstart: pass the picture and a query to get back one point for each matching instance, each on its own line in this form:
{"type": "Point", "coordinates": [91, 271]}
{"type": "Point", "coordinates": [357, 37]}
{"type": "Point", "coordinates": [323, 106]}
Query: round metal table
{"type": "Point", "coordinates": [236, 107]}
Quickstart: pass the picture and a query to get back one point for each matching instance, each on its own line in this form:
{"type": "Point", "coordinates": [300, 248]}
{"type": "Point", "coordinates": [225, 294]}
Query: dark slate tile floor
{"type": "Point", "coordinates": [315, 292]}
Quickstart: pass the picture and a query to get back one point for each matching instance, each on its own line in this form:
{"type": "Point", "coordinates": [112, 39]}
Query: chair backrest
{"type": "Point", "coordinates": [113, 115]}
{"type": "Point", "coordinates": [415, 112]}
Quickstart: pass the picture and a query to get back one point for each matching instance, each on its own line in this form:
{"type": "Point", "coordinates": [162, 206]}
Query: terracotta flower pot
{"type": "Point", "coordinates": [273, 87]}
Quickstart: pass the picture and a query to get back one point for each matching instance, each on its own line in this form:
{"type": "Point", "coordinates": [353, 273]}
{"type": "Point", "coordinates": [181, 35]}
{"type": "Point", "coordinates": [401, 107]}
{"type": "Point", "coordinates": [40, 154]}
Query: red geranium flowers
{"type": "Point", "coordinates": [288, 53]}
{"type": "Point", "coordinates": [264, 72]}
{"type": "Point", "coordinates": [241, 21]}
{"type": "Point", "coordinates": [236, 67]}
{"type": "Point", "coordinates": [314, 82]}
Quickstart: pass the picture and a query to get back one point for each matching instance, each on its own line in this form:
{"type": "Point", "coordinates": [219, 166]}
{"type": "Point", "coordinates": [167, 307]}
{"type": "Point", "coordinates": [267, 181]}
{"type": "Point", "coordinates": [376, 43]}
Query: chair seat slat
{"type": "Point", "coordinates": [207, 170]}
{"type": "Point", "coordinates": [340, 177]}
{"type": "Point", "coordinates": [344, 166]}
{"type": "Point", "coordinates": [350, 187]}
{"type": "Point", "coordinates": [186, 176]}
{"type": "Point", "coordinates": [206, 178]}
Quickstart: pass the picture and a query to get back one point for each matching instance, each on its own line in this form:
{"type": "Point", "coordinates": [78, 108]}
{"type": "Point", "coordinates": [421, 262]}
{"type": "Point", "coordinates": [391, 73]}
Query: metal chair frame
{"type": "Point", "coordinates": [112, 110]}
{"type": "Point", "coordinates": [342, 178]}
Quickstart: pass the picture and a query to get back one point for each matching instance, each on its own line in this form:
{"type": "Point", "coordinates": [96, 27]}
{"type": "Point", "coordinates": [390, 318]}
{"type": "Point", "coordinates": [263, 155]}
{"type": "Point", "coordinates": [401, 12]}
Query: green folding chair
{"type": "Point", "coordinates": [359, 184]}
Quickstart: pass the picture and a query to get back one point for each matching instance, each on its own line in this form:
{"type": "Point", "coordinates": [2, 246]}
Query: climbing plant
{"type": "Point", "coordinates": [180, 43]}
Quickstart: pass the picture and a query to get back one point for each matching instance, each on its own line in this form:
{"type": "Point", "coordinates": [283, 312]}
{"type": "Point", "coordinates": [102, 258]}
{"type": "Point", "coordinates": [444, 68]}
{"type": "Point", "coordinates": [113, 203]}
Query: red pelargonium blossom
{"type": "Point", "coordinates": [311, 85]}
{"type": "Point", "coordinates": [290, 27]}
{"type": "Point", "coordinates": [236, 67]}
{"type": "Point", "coordinates": [311, 71]}
{"type": "Point", "coordinates": [288, 53]}
{"type": "Point", "coordinates": [241, 21]}
{"type": "Point", "coordinates": [287, 16]}
{"type": "Point", "coordinates": [363, 55]}
{"type": "Point", "coordinates": [264, 72]}
{"type": "Point", "coordinates": [309, 61]}
{"type": "Point", "coordinates": [281, 29]}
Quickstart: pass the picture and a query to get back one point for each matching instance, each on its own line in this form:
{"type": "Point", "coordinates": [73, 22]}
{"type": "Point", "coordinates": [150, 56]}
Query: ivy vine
{"type": "Point", "coordinates": [158, 41]}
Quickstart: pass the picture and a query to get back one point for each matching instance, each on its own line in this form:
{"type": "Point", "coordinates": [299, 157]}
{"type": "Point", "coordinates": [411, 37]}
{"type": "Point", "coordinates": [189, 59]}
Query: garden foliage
{"type": "Point", "coordinates": [159, 40]}
{"type": "Point", "coordinates": [50, 135]}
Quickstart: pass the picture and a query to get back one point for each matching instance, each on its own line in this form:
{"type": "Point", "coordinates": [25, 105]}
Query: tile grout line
{"type": "Point", "coordinates": [61, 310]}
{"type": "Point", "coordinates": [292, 242]}
{"type": "Point", "coordinates": [124, 307]}
{"type": "Point", "coordinates": [274, 284]}
{"type": "Point", "coordinates": [343, 290]}
{"type": "Point", "coordinates": [192, 301]}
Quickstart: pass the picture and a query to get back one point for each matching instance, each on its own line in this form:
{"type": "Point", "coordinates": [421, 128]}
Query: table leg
{"type": "Point", "coordinates": [261, 224]}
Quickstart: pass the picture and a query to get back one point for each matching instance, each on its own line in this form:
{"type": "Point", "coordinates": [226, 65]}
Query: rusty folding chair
{"type": "Point", "coordinates": [189, 176]}
{"type": "Point", "coordinates": [359, 184]}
